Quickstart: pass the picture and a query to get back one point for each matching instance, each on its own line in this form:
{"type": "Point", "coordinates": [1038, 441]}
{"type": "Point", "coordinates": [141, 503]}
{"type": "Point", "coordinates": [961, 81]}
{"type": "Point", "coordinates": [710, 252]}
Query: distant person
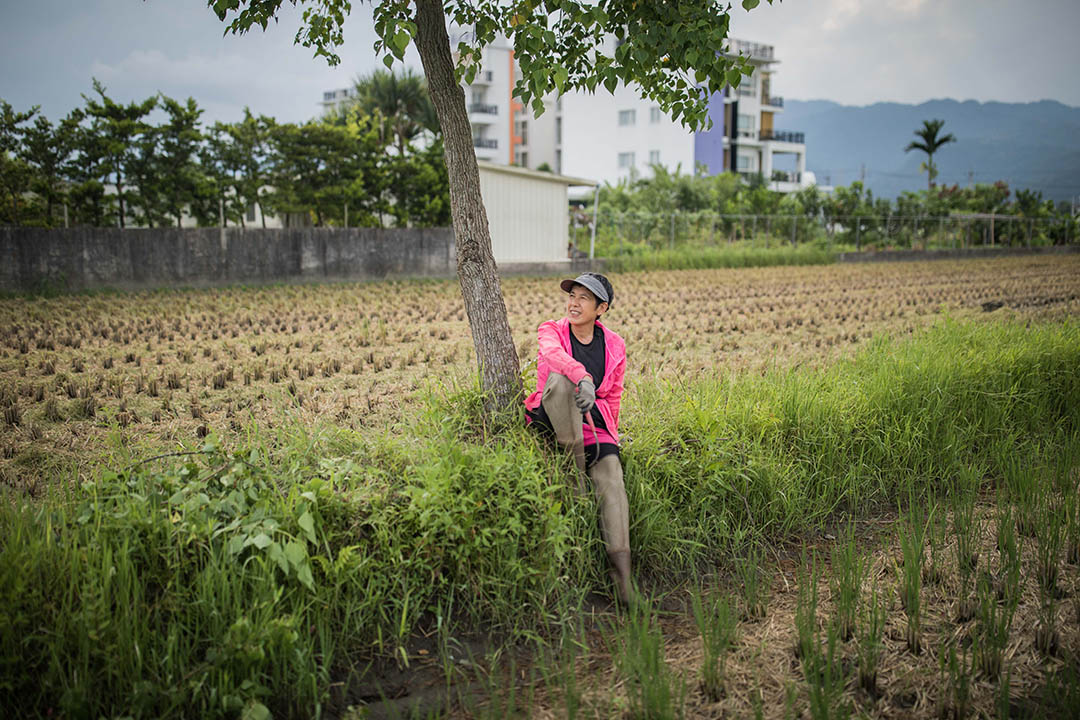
{"type": "Point", "coordinates": [579, 375]}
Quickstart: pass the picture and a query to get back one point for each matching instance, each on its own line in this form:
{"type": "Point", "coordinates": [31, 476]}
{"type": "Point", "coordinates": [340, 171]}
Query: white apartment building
{"type": "Point", "coordinates": [612, 137]}
{"type": "Point", "coordinates": [336, 99]}
{"type": "Point", "coordinates": [753, 140]}
{"type": "Point", "coordinates": [617, 136]}
{"type": "Point", "coordinates": [504, 131]}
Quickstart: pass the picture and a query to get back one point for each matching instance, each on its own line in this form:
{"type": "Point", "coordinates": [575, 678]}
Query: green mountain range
{"type": "Point", "coordinates": [1028, 145]}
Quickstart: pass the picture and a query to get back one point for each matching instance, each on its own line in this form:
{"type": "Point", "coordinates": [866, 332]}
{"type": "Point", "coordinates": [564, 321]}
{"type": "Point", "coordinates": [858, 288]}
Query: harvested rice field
{"type": "Point", "coordinates": [81, 376]}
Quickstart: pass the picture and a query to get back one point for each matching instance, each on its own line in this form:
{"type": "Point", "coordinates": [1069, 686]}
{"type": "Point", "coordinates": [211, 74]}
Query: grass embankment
{"type": "Point", "coordinates": [240, 581]}
{"type": "Point", "coordinates": [737, 255]}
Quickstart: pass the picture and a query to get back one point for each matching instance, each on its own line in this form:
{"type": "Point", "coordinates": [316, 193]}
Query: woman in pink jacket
{"type": "Point", "coordinates": [579, 378]}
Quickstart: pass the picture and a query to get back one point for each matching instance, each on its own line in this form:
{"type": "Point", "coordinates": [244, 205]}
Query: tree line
{"type": "Point", "coordinates": [111, 164]}
{"type": "Point", "coordinates": [665, 191]}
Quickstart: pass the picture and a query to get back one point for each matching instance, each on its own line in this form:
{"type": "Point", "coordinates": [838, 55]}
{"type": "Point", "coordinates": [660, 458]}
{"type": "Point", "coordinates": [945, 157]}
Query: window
{"type": "Point", "coordinates": [626, 160]}
{"type": "Point", "coordinates": [654, 157]}
{"type": "Point", "coordinates": [748, 86]}
{"type": "Point", "coordinates": [558, 161]}
{"type": "Point", "coordinates": [558, 131]}
{"type": "Point", "coordinates": [627, 117]}
{"type": "Point", "coordinates": [746, 125]}
{"type": "Point", "coordinates": [654, 114]}
{"type": "Point", "coordinates": [742, 162]}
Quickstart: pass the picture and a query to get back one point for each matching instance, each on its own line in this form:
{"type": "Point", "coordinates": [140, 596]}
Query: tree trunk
{"type": "Point", "coordinates": [480, 287]}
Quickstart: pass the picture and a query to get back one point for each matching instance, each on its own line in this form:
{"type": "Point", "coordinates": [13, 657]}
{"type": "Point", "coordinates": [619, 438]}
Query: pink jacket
{"type": "Point", "coordinates": [554, 355]}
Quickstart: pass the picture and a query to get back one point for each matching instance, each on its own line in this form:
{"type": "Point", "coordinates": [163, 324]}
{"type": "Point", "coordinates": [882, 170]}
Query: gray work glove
{"type": "Point", "coordinates": [585, 397]}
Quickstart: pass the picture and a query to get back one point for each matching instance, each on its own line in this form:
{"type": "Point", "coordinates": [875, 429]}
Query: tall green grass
{"type": "Point", "coordinates": [736, 256]}
{"type": "Point", "coordinates": [246, 580]}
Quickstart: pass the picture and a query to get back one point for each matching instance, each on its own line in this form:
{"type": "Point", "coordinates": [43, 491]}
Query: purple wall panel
{"type": "Point", "coordinates": [709, 144]}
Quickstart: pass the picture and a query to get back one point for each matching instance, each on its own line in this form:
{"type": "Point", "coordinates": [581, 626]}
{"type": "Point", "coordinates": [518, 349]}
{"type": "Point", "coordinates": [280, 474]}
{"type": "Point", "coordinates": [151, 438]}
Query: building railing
{"type": "Point", "coordinates": [755, 50]}
{"type": "Point", "coordinates": [487, 143]}
{"type": "Point", "coordinates": [784, 136]}
{"type": "Point", "coordinates": [785, 176]}
{"type": "Point", "coordinates": [483, 108]}
{"type": "Point", "coordinates": [772, 101]}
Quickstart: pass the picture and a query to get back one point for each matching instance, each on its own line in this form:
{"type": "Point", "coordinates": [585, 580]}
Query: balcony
{"type": "Point", "coordinates": [788, 136]}
{"type": "Point", "coordinates": [772, 101]}
{"type": "Point", "coordinates": [757, 51]}
{"type": "Point", "coordinates": [483, 77]}
{"type": "Point", "coordinates": [477, 108]}
{"type": "Point", "coordinates": [786, 176]}
{"type": "Point", "coordinates": [485, 143]}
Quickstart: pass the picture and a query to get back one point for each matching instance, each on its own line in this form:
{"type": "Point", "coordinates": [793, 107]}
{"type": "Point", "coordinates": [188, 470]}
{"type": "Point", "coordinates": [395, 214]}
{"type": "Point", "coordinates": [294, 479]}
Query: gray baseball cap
{"type": "Point", "coordinates": [593, 282]}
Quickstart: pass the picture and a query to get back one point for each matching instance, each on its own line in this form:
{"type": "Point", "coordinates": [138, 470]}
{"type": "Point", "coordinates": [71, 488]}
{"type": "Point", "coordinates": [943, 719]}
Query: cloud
{"type": "Point", "coordinates": [851, 51]}
{"type": "Point", "coordinates": [909, 7]}
{"type": "Point", "coordinates": [864, 51]}
{"type": "Point", "coordinates": [840, 13]}
{"type": "Point", "coordinates": [227, 79]}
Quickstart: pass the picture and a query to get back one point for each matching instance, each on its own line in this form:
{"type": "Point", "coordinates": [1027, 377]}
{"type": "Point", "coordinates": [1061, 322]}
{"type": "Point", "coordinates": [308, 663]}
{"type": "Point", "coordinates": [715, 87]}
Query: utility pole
{"type": "Point", "coordinates": [971, 178]}
{"type": "Point", "coordinates": [862, 173]}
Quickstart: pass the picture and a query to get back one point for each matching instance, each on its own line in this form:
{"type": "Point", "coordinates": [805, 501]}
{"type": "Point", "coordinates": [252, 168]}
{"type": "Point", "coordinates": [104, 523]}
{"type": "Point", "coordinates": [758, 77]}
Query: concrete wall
{"type": "Point", "coordinates": [85, 258]}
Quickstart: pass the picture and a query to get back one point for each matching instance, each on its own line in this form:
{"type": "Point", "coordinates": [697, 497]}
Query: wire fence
{"type": "Point", "coordinates": [618, 233]}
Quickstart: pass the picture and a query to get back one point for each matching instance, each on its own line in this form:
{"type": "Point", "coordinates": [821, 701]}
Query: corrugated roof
{"type": "Point", "coordinates": [535, 174]}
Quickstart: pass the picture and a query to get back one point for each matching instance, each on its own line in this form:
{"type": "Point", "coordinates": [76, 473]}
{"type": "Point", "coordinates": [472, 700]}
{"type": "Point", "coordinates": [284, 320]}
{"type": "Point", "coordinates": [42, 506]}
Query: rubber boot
{"type": "Point", "coordinates": [607, 478]}
{"type": "Point", "coordinates": [620, 576]}
{"type": "Point", "coordinates": [558, 402]}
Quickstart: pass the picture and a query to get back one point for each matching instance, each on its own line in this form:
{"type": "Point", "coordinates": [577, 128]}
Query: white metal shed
{"type": "Point", "coordinates": [527, 212]}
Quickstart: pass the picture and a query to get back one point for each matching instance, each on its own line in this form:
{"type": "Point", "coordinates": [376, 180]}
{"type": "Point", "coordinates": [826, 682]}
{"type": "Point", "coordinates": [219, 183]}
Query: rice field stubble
{"type": "Point", "coordinates": [107, 379]}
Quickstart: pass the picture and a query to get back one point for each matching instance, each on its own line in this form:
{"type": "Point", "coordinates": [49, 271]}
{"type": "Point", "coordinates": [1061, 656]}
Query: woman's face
{"type": "Point", "coordinates": [582, 307]}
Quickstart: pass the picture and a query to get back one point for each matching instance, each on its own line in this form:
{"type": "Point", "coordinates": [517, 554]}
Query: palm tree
{"type": "Point", "coordinates": [930, 144]}
{"type": "Point", "coordinates": [400, 101]}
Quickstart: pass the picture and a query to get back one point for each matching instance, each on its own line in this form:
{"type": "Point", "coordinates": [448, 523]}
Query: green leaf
{"type": "Point", "coordinates": [734, 77]}
{"type": "Point", "coordinates": [307, 524]}
{"type": "Point", "coordinates": [749, 5]}
{"type": "Point", "coordinates": [295, 553]}
{"type": "Point", "coordinates": [388, 61]}
{"type": "Point", "coordinates": [256, 711]}
{"type": "Point", "coordinates": [561, 75]}
{"type": "Point", "coordinates": [278, 556]}
{"type": "Point", "coordinates": [261, 541]}
{"type": "Point", "coordinates": [303, 574]}
{"type": "Point", "coordinates": [400, 42]}
{"type": "Point", "coordinates": [236, 544]}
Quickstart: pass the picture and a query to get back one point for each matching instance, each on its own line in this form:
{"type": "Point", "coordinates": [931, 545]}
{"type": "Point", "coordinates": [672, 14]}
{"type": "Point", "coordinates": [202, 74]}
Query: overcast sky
{"type": "Point", "coordinates": [856, 52]}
